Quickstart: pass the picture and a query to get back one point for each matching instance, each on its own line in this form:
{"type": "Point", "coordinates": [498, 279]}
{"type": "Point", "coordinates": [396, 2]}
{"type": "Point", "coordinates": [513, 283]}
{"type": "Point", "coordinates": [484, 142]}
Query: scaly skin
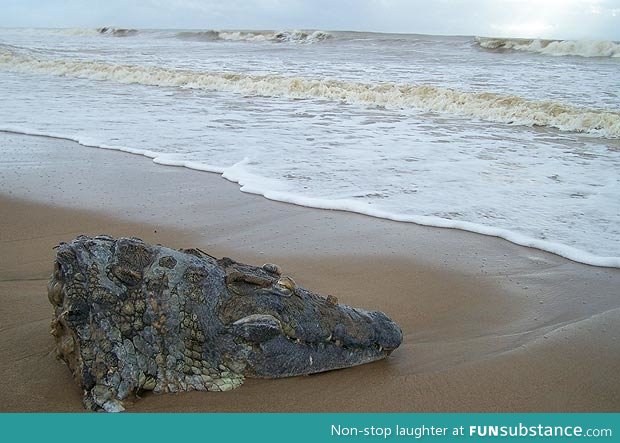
{"type": "Point", "coordinates": [129, 317]}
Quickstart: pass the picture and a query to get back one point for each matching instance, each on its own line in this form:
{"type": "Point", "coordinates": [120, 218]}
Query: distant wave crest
{"type": "Point", "coordinates": [117, 32]}
{"type": "Point", "coordinates": [581, 48]}
{"type": "Point", "coordinates": [484, 105]}
{"type": "Point", "coordinates": [294, 36]}
{"type": "Point", "coordinates": [106, 30]}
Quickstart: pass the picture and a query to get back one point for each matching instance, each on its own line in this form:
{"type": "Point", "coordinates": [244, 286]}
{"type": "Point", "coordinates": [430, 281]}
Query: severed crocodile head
{"type": "Point", "coordinates": [129, 316]}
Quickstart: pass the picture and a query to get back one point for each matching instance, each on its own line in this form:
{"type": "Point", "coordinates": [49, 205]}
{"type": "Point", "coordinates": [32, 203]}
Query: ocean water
{"type": "Point", "coordinates": [513, 138]}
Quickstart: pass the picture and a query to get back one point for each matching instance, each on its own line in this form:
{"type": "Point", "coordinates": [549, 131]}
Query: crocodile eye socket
{"type": "Point", "coordinates": [275, 291]}
{"type": "Point", "coordinates": [258, 328]}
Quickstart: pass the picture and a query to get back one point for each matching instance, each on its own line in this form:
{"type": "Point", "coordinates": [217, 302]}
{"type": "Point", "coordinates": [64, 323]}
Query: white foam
{"type": "Point", "coordinates": [489, 106]}
{"type": "Point", "coordinates": [581, 48]}
{"type": "Point", "coordinates": [89, 142]}
{"type": "Point", "coordinates": [359, 143]}
{"type": "Point", "coordinates": [255, 184]}
{"type": "Point", "coordinates": [289, 36]}
{"type": "Point", "coordinates": [301, 36]}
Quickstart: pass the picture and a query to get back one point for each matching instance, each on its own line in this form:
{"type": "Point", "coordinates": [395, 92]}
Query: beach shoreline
{"type": "Point", "coordinates": [488, 325]}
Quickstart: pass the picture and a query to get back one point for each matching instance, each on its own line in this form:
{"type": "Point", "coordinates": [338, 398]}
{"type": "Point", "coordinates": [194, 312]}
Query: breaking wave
{"type": "Point", "coordinates": [581, 48]}
{"type": "Point", "coordinates": [294, 36]}
{"type": "Point", "coordinates": [488, 106]}
{"type": "Point", "coordinates": [106, 30]}
{"type": "Point", "coordinates": [117, 32]}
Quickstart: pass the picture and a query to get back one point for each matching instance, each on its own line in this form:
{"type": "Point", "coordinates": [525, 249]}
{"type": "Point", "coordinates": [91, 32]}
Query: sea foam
{"type": "Point", "coordinates": [488, 106]}
{"type": "Point", "coordinates": [303, 124]}
{"type": "Point", "coordinates": [255, 184]}
{"type": "Point", "coordinates": [581, 48]}
{"type": "Point", "coordinates": [290, 36]}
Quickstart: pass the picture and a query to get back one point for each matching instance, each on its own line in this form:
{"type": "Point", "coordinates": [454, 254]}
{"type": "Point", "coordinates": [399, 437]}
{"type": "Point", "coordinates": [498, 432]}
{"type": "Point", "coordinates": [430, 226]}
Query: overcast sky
{"type": "Point", "coordinates": [565, 19]}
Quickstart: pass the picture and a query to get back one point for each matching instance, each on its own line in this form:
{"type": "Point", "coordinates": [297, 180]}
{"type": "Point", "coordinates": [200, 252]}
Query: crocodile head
{"type": "Point", "coordinates": [129, 317]}
{"type": "Point", "coordinates": [282, 329]}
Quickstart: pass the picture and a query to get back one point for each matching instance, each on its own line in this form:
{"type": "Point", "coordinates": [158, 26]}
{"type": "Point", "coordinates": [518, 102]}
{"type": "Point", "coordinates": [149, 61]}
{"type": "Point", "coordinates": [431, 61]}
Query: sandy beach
{"type": "Point", "coordinates": [487, 325]}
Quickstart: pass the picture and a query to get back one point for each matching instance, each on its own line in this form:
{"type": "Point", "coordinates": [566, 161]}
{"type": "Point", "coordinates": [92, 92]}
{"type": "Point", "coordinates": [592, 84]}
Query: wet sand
{"type": "Point", "coordinates": [488, 325]}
